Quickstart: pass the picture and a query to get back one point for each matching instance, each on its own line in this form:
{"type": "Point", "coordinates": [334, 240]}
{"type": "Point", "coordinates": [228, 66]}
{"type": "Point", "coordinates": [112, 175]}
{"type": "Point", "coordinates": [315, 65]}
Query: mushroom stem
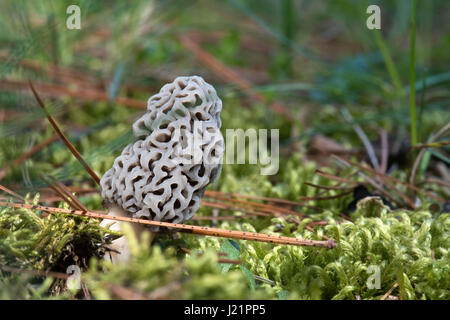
{"type": "Point", "coordinates": [121, 250]}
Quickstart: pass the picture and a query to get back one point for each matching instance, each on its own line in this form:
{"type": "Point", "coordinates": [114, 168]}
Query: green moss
{"type": "Point", "coordinates": [30, 241]}
{"type": "Point", "coordinates": [153, 271]}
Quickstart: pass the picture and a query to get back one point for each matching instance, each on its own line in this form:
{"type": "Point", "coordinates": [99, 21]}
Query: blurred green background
{"type": "Point", "coordinates": [316, 58]}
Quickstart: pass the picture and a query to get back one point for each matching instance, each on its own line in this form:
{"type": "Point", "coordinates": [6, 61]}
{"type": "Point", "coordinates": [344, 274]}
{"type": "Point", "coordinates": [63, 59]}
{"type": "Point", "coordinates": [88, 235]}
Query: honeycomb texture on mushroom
{"type": "Point", "coordinates": [177, 152]}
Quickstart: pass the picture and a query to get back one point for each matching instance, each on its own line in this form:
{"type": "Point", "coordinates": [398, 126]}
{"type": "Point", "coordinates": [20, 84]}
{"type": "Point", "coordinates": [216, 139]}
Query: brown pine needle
{"type": "Point", "coordinates": [224, 206]}
{"type": "Point", "coordinates": [310, 229]}
{"type": "Point", "coordinates": [333, 177]}
{"type": "Point", "coordinates": [386, 177]}
{"type": "Point", "coordinates": [12, 193]}
{"type": "Point", "coordinates": [327, 197]}
{"type": "Point", "coordinates": [68, 194]}
{"type": "Point", "coordinates": [27, 154]}
{"type": "Point", "coordinates": [64, 193]}
{"type": "Point", "coordinates": [54, 90]}
{"type": "Point", "coordinates": [205, 231]}
{"type": "Point", "coordinates": [436, 181]}
{"type": "Point", "coordinates": [337, 187]}
{"type": "Point", "coordinates": [119, 292]}
{"type": "Point", "coordinates": [61, 194]}
{"type": "Point", "coordinates": [238, 195]}
{"type": "Point", "coordinates": [229, 75]}
{"type": "Point", "coordinates": [221, 203]}
{"type": "Point", "coordinates": [311, 224]}
{"type": "Point", "coordinates": [377, 186]}
{"type": "Point", "coordinates": [63, 137]}
{"type": "Point", "coordinates": [261, 206]}
{"type": "Point", "coordinates": [221, 218]}
{"type": "Point", "coordinates": [387, 294]}
{"type": "Point", "coordinates": [76, 189]}
{"type": "Point", "coordinates": [212, 194]}
{"type": "Point", "coordinates": [57, 72]}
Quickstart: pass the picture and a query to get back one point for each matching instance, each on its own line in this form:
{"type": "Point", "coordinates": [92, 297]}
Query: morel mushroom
{"type": "Point", "coordinates": [177, 152]}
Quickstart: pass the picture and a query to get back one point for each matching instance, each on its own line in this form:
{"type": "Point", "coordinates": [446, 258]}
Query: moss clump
{"type": "Point", "coordinates": [154, 273]}
{"type": "Point", "coordinates": [28, 240]}
{"type": "Point", "coordinates": [410, 248]}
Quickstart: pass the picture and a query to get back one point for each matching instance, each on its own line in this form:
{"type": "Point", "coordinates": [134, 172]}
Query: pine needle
{"type": "Point", "coordinates": [63, 137]}
{"type": "Point", "coordinates": [205, 231]}
{"type": "Point", "coordinates": [229, 75]}
{"type": "Point", "coordinates": [27, 154]}
{"type": "Point", "coordinates": [12, 193]}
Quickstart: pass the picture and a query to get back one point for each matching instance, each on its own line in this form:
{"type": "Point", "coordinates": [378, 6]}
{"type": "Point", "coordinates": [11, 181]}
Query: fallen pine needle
{"type": "Point", "coordinates": [12, 193]}
{"type": "Point", "coordinates": [63, 137]}
{"type": "Point", "coordinates": [206, 231]}
{"type": "Point", "coordinates": [27, 154]}
{"type": "Point", "coordinates": [389, 178]}
{"type": "Point", "coordinates": [211, 193]}
{"type": "Point", "coordinates": [389, 292]}
{"type": "Point", "coordinates": [229, 75]}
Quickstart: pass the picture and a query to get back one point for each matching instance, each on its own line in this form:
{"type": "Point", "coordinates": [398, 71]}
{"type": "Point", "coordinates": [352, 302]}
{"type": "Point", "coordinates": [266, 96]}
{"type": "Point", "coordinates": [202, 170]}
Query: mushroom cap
{"type": "Point", "coordinates": [177, 152]}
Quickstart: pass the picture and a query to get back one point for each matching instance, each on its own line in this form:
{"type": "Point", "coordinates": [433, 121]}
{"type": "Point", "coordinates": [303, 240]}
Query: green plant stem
{"type": "Point", "coordinates": [421, 106]}
{"type": "Point", "coordinates": [412, 75]}
{"type": "Point", "coordinates": [390, 65]}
